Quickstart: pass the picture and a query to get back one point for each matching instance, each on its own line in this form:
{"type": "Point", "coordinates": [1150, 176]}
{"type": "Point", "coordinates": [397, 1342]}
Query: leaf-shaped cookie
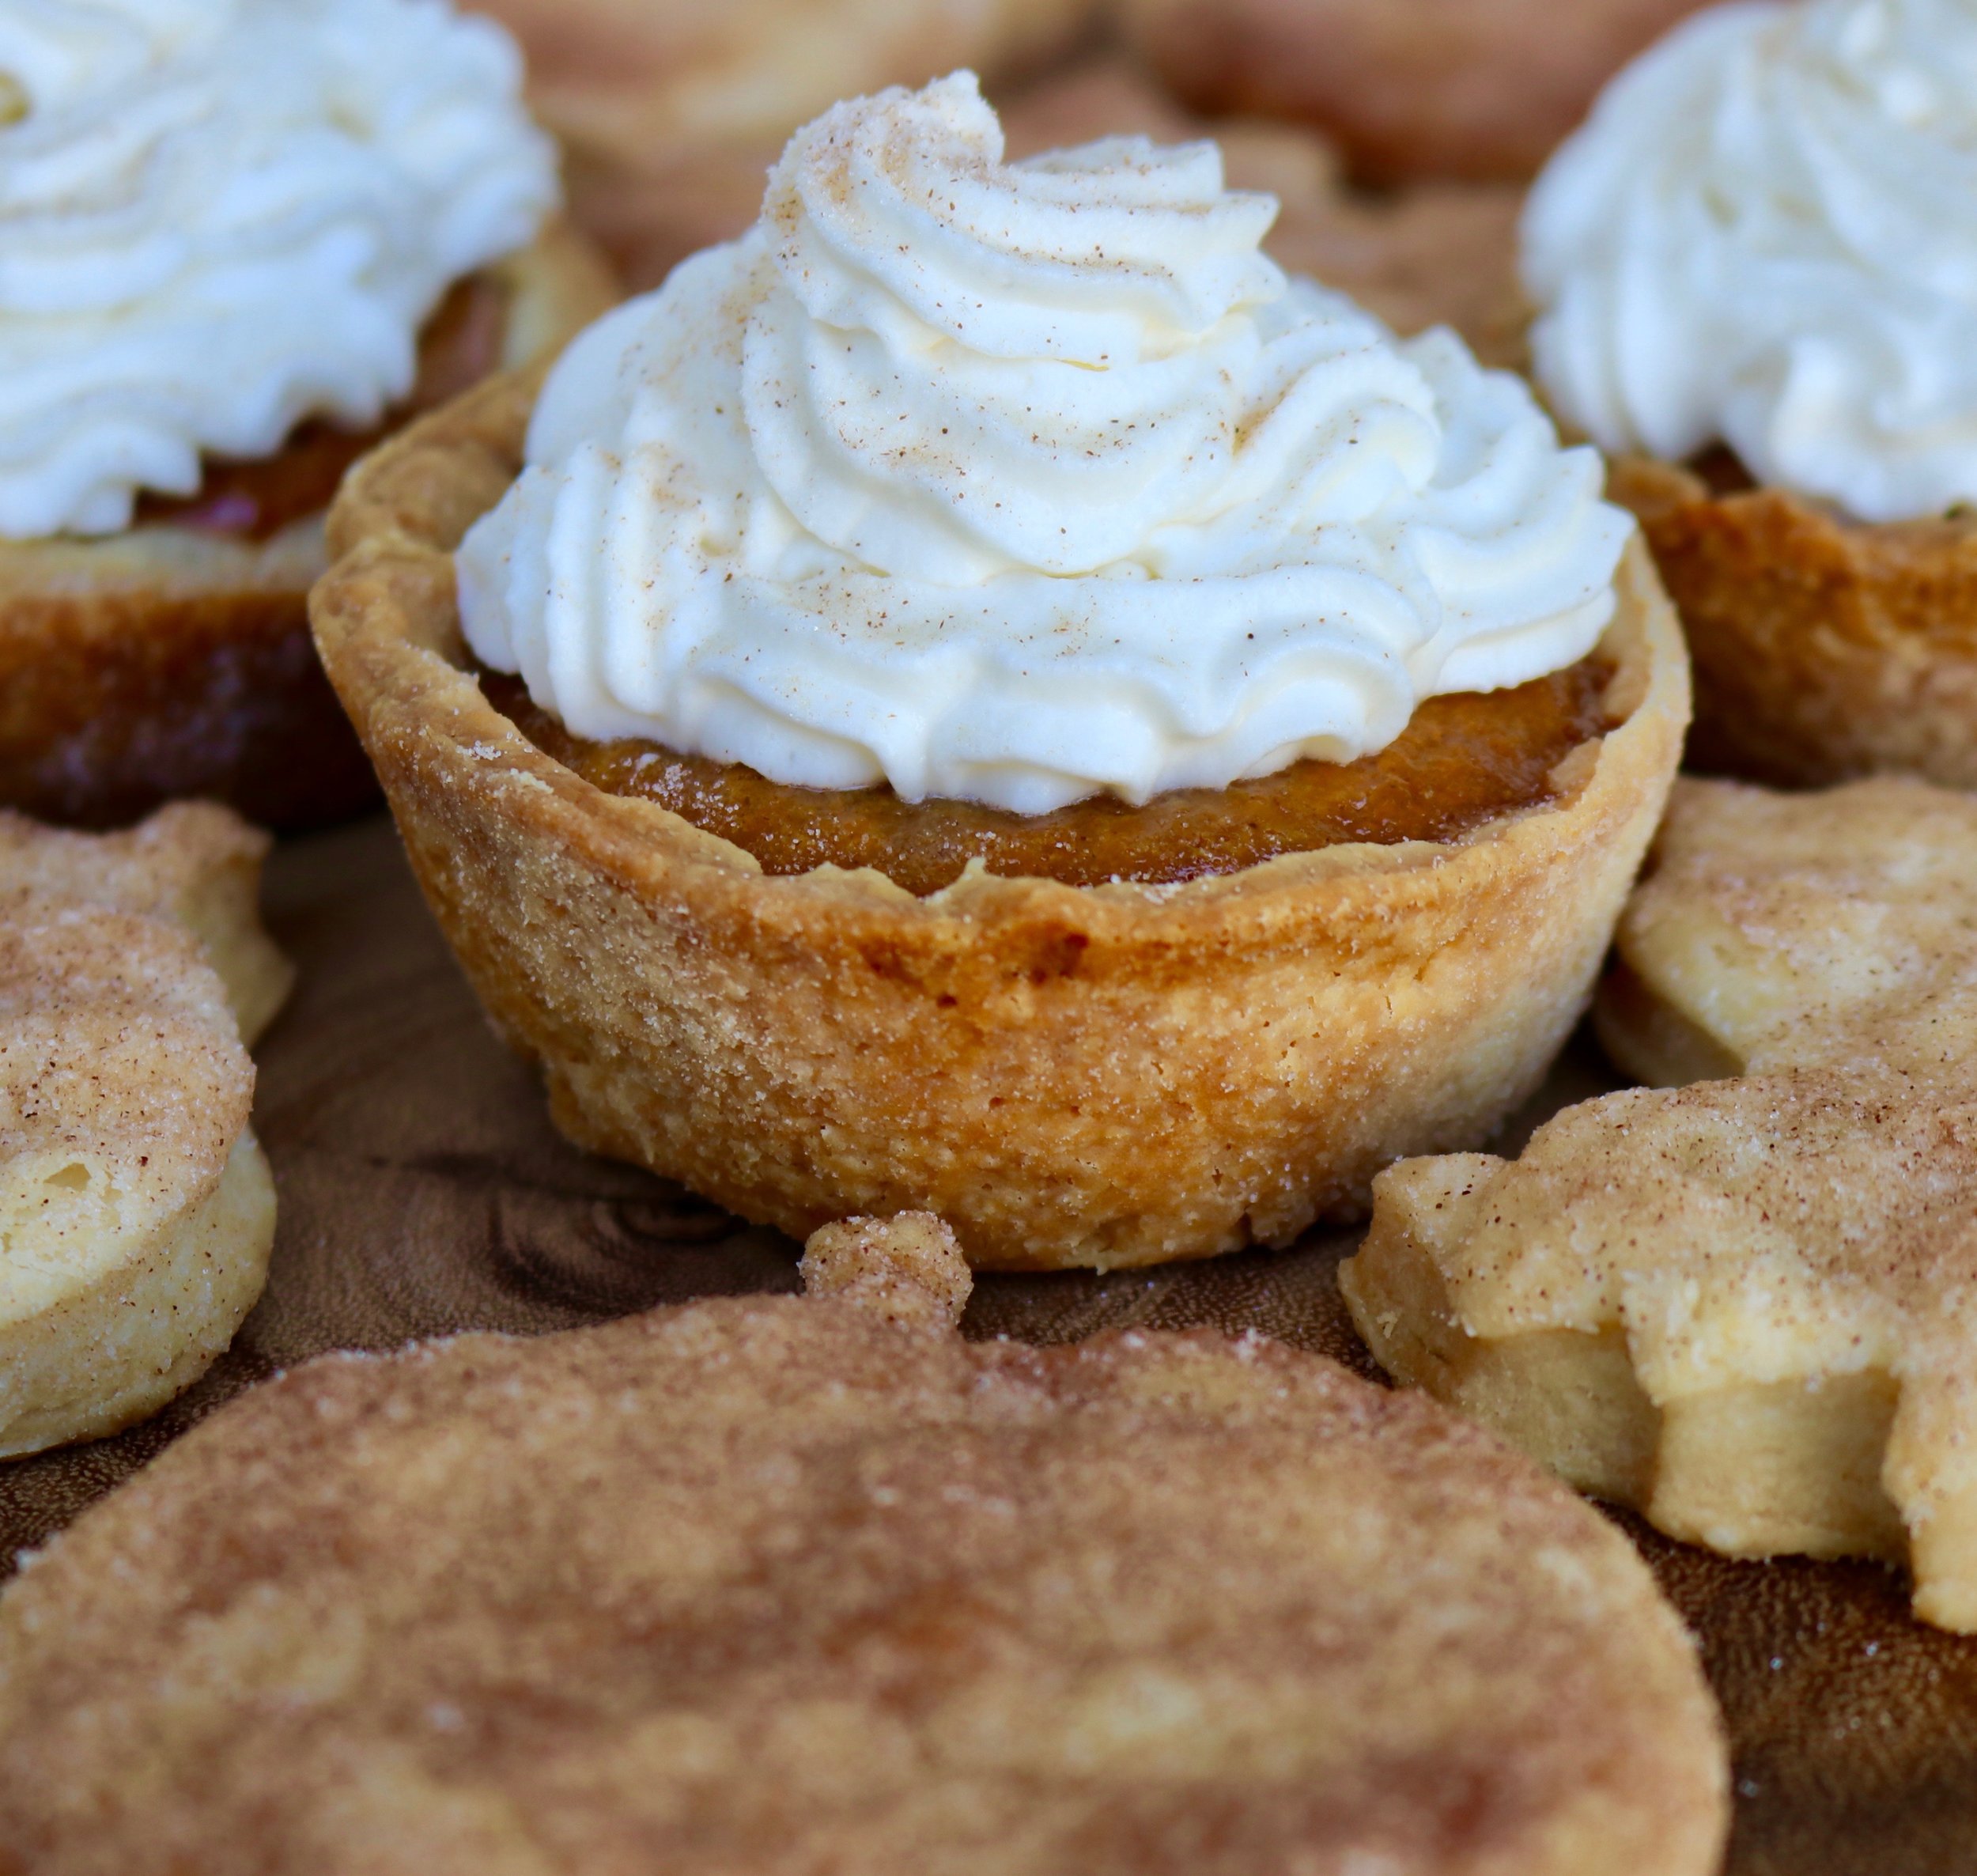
{"type": "Point", "coordinates": [1747, 1305]}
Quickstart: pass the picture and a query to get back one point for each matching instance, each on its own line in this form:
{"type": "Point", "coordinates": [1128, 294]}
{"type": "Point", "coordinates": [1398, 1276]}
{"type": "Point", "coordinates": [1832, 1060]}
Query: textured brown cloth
{"type": "Point", "coordinates": [423, 1190]}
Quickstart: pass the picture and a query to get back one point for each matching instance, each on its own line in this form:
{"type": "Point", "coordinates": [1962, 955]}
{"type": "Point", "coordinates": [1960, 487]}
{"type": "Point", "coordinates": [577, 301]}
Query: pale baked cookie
{"type": "Point", "coordinates": [768, 1584]}
{"type": "Point", "coordinates": [1411, 89]}
{"type": "Point", "coordinates": [193, 864]}
{"type": "Point", "coordinates": [136, 1209]}
{"type": "Point", "coordinates": [1746, 1305]}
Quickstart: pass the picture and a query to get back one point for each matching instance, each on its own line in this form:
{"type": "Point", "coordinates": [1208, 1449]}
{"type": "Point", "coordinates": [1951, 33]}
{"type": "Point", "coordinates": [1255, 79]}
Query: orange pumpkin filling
{"type": "Point", "coordinates": [1462, 761]}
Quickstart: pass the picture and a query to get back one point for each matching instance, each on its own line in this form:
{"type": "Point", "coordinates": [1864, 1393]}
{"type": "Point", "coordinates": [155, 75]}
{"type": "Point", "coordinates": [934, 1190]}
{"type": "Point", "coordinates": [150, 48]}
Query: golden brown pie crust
{"type": "Point", "coordinates": [174, 658]}
{"type": "Point", "coordinates": [1824, 648]}
{"type": "Point", "coordinates": [1105, 1075]}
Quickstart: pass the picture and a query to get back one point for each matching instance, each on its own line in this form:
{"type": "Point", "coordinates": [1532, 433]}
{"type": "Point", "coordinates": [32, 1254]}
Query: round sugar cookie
{"type": "Point", "coordinates": [773, 1585]}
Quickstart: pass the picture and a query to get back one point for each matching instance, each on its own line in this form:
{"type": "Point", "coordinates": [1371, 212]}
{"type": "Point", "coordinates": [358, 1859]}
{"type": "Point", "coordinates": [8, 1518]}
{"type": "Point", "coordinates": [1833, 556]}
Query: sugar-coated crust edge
{"type": "Point", "coordinates": [1108, 1077]}
{"type": "Point", "coordinates": [87, 627]}
{"type": "Point", "coordinates": [1824, 649]}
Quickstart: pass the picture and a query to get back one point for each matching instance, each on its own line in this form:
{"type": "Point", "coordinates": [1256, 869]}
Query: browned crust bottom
{"type": "Point", "coordinates": [164, 663]}
{"type": "Point", "coordinates": [1105, 1075]}
{"type": "Point", "coordinates": [112, 703]}
{"type": "Point", "coordinates": [1823, 648]}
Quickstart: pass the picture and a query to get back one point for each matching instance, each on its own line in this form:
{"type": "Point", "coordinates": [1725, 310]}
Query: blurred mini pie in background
{"type": "Point", "coordinates": [671, 115]}
{"type": "Point", "coordinates": [137, 1211]}
{"type": "Point", "coordinates": [1410, 90]}
{"type": "Point", "coordinates": [1744, 1298]}
{"type": "Point", "coordinates": [767, 1584]}
{"type": "Point", "coordinates": [1756, 272]}
{"type": "Point", "coordinates": [627, 77]}
{"type": "Point", "coordinates": [998, 700]}
{"type": "Point", "coordinates": [1441, 252]}
{"type": "Point", "coordinates": [245, 238]}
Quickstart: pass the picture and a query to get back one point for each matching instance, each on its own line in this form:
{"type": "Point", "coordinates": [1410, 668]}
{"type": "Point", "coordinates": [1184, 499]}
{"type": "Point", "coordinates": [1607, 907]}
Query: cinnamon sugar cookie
{"type": "Point", "coordinates": [136, 1209]}
{"type": "Point", "coordinates": [771, 1585]}
{"type": "Point", "coordinates": [1745, 1305]}
{"type": "Point", "coordinates": [193, 864]}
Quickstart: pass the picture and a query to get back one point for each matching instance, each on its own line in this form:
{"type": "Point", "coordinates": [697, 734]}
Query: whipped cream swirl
{"type": "Point", "coordinates": [218, 217]}
{"type": "Point", "coordinates": [1021, 482]}
{"type": "Point", "coordinates": [1764, 235]}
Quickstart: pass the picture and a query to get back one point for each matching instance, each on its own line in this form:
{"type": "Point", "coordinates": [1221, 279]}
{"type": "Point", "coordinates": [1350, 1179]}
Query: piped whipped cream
{"type": "Point", "coordinates": [218, 217]}
{"type": "Point", "coordinates": [1764, 235]}
{"type": "Point", "coordinates": [1021, 482]}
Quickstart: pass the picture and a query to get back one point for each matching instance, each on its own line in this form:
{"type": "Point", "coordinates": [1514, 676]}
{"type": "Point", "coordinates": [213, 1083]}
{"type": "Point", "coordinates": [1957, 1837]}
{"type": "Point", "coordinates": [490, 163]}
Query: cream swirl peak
{"type": "Point", "coordinates": [1021, 482]}
{"type": "Point", "coordinates": [218, 217]}
{"type": "Point", "coordinates": [1763, 236]}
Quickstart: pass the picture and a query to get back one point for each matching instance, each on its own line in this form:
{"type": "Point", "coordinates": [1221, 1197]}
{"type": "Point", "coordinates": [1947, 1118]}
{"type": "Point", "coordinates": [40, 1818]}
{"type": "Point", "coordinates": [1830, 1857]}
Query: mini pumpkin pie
{"type": "Point", "coordinates": [753, 1585]}
{"type": "Point", "coordinates": [1411, 90]}
{"type": "Point", "coordinates": [244, 240]}
{"type": "Point", "coordinates": [983, 696]}
{"type": "Point", "coordinates": [1743, 1303]}
{"type": "Point", "coordinates": [634, 84]}
{"type": "Point", "coordinates": [1755, 295]}
{"type": "Point", "coordinates": [137, 1211]}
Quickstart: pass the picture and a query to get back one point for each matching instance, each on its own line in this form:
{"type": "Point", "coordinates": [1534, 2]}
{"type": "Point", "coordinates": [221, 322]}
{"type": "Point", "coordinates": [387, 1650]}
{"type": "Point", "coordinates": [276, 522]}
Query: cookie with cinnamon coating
{"type": "Point", "coordinates": [769, 1584]}
{"type": "Point", "coordinates": [1741, 1300]}
{"type": "Point", "coordinates": [137, 1211]}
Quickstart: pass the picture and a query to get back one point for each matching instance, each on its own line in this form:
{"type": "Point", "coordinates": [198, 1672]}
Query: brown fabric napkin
{"type": "Point", "coordinates": [423, 1191]}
